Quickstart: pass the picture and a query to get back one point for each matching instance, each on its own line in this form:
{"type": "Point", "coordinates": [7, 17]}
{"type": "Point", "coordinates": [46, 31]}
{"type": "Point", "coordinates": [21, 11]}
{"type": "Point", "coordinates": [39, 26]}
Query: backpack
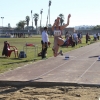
{"type": "Point", "coordinates": [22, 54]}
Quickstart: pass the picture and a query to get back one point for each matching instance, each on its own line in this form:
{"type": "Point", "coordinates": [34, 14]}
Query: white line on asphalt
{"type": "Point", "coordinates": [62, 64]}
{"type": "Point", "coordinates": [83, 59]}
{"type": "Point", "coordinates": [86, 71]}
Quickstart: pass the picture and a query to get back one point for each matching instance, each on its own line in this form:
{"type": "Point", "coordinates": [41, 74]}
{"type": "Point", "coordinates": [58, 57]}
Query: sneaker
{"type": "Point", "coordinates": [61, 52]}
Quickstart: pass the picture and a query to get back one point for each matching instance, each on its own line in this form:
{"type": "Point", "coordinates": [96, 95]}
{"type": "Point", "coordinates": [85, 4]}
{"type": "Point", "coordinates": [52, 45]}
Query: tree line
{"type": "Point", "coordinates": [97, 27]}
{"type": "Point", "coordinates": [21, 24]}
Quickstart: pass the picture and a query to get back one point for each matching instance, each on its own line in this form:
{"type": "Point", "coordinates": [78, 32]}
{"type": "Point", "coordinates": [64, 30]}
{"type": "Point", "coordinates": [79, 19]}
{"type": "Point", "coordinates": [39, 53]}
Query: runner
{"type": "Point", "coordinates": [58, 40]}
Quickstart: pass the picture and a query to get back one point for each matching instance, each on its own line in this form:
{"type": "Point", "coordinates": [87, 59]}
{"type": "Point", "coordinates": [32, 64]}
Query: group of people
{"type": "Point", "coordinates": [95, 37]}
{"type": "Point", "coordinates": [73, 39]}
{"type": "Point", "coordinates": [58, 40]}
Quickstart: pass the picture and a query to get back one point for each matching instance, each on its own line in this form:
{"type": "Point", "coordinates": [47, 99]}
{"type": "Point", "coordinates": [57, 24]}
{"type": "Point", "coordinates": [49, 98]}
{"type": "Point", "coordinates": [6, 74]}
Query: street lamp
{"type": "Point", "coordinates": [2, 20]}
{"type": "Point", "coordinates": [49, 10]}
{"type": "Point", "coordinates": [32, 18]}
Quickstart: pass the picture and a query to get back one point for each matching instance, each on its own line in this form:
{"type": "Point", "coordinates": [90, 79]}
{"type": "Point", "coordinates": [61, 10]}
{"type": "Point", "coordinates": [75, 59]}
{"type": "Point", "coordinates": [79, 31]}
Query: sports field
{"type": "Point", "coordinates": [82, 67]}
{"type": "Point", "coordinates": [12, 62]}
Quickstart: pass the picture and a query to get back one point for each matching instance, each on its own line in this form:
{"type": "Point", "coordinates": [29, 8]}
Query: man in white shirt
{"type": "Point", "coordinates": [95, 37]}
{"type": "Point", "coordinates": [45, 41]}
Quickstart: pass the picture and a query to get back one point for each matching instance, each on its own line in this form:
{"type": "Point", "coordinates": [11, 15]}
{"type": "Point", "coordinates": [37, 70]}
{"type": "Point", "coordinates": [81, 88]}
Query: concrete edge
{"type": "Point", "coordinates": [43, 84]}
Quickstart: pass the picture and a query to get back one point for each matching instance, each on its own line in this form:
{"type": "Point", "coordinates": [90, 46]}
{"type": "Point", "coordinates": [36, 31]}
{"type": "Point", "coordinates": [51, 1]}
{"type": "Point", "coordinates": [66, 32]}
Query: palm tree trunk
{"type": "Point", "coordinates": [36, 29]}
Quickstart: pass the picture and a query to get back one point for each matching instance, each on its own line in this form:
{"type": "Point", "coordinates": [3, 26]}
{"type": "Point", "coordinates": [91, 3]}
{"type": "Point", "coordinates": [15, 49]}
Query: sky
{"type": "Point", "coordinates": [83, 12]}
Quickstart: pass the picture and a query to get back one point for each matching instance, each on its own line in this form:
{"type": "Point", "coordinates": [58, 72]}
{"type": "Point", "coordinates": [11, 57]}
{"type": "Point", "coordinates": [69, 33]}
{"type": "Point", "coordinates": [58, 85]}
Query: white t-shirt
{"type": "Point", "coordinates": [75, 35]}
{"type": "Point", "coordinates": [45, 37]}
{"type": "Point", "coordinates": [98, 34]}
{"type": "Point", "coordinates": [95, 35]}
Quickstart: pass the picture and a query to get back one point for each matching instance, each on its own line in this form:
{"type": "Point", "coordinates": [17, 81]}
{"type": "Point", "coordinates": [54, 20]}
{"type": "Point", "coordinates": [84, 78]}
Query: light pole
{"type": "Point", "coordinates": [49, 10]}
{"type": "Point", "coordinates": [2, 21]}
{"type": "Point", "coordinates": [32, 18]}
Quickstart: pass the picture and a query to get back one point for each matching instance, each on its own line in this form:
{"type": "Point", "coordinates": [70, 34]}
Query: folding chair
{"type": "Point", "coordinates": [7, 50]}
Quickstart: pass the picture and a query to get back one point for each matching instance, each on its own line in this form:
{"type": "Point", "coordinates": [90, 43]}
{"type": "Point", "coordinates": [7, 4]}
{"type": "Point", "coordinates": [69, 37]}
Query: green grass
{"type": "Point", "coordinates": [12, 62]}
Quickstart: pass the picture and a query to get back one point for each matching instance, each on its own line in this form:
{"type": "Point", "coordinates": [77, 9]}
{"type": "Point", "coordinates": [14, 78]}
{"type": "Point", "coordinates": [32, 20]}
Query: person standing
{"type": "Point", "coordinates": [75, 38]}
{"type": "Point", "coordinates": [87, 37]}
{"type": "Point", "coordinates": [45, 41]}
{"type": "Point", "coordinates": [79, 37]}
{"type": "Point", "coordinates": [98, 36]}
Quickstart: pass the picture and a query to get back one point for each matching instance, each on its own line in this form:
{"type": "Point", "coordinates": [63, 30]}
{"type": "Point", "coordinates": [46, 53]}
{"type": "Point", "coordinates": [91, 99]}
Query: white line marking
{"type": "Point", "coordinates": [62, 64]}
{"type": "Point", "coordinates": [83, 59]}
{"type": "Point", "coordinates": [86, 71]}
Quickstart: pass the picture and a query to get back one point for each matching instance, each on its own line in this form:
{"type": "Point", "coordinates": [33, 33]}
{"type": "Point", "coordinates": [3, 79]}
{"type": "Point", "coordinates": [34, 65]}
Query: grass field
{"type": "Point", "coordinates": [12, 62]}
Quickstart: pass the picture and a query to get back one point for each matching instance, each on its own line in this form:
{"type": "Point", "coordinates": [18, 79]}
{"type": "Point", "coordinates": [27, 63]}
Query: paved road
{"type": "Point", "coordinates": [82, 67]}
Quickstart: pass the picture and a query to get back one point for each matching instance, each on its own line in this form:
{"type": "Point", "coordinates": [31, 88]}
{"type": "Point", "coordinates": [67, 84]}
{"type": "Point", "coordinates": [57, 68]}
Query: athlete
{"type": "Point", "coordinates": [58, 40]}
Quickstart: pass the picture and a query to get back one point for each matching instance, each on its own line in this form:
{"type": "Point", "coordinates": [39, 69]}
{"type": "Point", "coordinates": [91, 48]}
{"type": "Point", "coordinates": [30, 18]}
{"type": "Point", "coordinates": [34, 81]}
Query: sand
{"type": "Point", "coordinates": [49, 93]}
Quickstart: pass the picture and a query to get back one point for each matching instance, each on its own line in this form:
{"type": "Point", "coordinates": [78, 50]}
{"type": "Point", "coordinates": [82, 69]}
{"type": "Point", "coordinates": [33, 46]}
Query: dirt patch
{"type": "Point", "coordinates": [49, 93]}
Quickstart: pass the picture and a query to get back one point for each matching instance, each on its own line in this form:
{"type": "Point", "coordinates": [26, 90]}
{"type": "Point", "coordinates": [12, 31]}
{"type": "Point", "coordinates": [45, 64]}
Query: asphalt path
{"type": "Point", "coordinates": [82, 67]}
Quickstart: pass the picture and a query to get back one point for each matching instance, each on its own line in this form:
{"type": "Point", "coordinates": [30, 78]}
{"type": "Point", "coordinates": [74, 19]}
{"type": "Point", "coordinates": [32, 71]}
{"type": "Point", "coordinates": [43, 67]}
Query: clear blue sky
{"type": "Point", "coordinates": [83, 12]}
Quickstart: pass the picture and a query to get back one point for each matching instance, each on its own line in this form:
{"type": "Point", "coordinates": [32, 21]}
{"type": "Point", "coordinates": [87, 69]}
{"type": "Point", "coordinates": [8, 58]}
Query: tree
{"type": "Point", "coordinates": [27, 21]}
{"type": "Point", "coordinates": [36, 17]}
{"type": "Point", "coordinates": [97, 27]}
{"type": "Point", "coordinates": [20, 25]}
{"type": "Point", "coordinates": [61, 19]}
{"type": "Point", "coordinates": [49, 10]}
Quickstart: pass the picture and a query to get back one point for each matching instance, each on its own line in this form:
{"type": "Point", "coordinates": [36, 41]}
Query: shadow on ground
{"type": "Point", "coordinates": [94, 56]}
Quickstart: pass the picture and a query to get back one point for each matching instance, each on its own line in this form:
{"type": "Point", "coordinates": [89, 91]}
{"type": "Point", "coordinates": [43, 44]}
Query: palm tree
{"type": "Point", "coordinates": [21, 25]}
{"type": "Point", "coordinates": [41, 11]}
{"type": "Point", "coordinates": [49, 10]}
{"type": "Point", "coordinates": [36, 17]}
{"type": "Point", "coordinates": [27, 21]}
{"type": "Point", "coordinates": [32, 18]}
{"type": "Point", "coordinates": [61, 19]}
